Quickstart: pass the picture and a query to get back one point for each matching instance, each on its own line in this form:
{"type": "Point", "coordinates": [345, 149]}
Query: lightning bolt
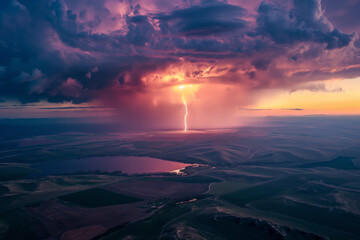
{"type": "Point", "coordinates": [186, 113]}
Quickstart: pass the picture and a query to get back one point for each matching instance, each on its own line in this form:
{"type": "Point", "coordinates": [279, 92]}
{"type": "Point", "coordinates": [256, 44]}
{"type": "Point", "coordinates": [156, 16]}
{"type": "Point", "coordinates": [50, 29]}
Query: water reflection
{"type": "Point", "coordinates": [125, 164]}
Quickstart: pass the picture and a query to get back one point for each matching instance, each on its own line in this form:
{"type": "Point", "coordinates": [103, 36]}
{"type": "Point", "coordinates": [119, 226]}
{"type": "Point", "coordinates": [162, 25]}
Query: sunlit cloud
{"type": "Point", "coordinates": [132, 57]}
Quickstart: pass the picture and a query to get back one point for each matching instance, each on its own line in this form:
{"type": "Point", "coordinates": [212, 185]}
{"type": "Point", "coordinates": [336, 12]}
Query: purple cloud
{"type": "Point", "coordinates": [62, 50]}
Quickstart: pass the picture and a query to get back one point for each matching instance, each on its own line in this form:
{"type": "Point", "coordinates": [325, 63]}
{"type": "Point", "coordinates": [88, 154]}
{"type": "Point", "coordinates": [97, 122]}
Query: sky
{"type": "Point", "coordinates": [140, 62]}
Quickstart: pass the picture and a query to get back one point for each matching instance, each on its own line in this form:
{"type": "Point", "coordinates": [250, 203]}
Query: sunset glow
{"type": "Point", "coordinates": [221, 61]}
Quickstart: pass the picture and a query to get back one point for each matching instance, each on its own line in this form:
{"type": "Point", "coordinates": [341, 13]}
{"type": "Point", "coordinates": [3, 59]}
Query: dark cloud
{"type": "Point", "coordinates": [62, 50]}
{"type": "Point", "coordinates": [344, 15]}
{"type": "Point", "coordinates": [305, 22]}
{"type": "Point", "coordinates": [261, 64]}
{"type": "Point", "coordinates": [357, 43]}
{"type": "Point", "coordinates": [205, 20]}
{"type": "Point", "coordinates": [350, 72]}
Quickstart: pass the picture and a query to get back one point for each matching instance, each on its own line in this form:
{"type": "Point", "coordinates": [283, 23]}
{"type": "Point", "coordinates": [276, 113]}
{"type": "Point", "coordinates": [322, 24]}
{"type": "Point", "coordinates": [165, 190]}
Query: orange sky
{"type": "Point", "coordinates": [345, 102]}
{"type": "Point", "coordinates": [218, 105]}
{"type": "Point", "coordinates": [126, 61]}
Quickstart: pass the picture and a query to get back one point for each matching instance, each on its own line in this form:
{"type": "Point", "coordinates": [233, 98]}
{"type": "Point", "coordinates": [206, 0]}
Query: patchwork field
{"type": "Point", "coordinates": [90, 198]}
{"type": "Point", "coordinates": [279, 181]}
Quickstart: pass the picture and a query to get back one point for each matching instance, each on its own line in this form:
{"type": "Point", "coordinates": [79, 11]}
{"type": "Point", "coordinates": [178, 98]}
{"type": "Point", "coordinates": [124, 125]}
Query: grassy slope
{"type": "Point", "coordinates": [98, 197]}
{"type": "Point", "coordinates": [151, 227]}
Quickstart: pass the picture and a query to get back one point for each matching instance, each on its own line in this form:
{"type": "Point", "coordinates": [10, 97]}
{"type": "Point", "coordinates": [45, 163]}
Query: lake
{"type": "Point", "coordinates": [125, 164]}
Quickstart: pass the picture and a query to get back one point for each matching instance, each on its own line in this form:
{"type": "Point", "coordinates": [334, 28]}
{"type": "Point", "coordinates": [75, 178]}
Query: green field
{"type": "Point", "coordinates": [261, 191]}
{"type": "Point", "coordinates": [333, 218]}
{"type": "Point", "coordinates": [98, 197]}
{"type": "Point", "coordinates": [264, 183]}
{"type": "Point", "coordinates": [151, 227]}
{"type": "Point", "coordinates": [193, 179]}
{"type": "Point", "coordinates": [221, 188]}
{"type": "Point", "coordinates": [204, 220]}
{"type": "Point", "coordinates": [16, 224]}
{"type": "Point", "coordinates": [338, 163]}
{"type": "Point", "coordinates": [13, 173]}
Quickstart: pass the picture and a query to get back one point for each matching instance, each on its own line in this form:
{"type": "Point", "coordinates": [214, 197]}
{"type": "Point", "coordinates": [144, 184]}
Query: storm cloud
{"type": "Point", "coordinates": [80, 51]}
